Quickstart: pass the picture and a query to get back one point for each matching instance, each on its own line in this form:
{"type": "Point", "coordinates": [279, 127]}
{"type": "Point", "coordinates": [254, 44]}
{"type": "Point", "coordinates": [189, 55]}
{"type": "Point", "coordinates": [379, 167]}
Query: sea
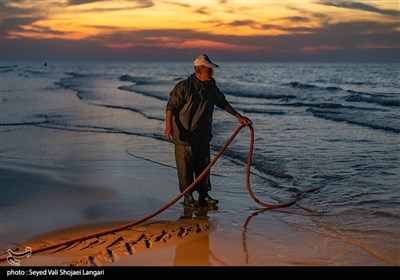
{"type": "Point", "coordinates": [328, 133]}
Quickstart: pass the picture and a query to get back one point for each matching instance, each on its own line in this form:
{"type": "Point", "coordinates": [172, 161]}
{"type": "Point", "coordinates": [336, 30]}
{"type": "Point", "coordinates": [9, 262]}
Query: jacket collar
{"type": "Point", "coordinates": [201, 84]}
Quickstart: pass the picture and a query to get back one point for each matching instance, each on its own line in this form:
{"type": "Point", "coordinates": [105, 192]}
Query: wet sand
{"type": "Point", "coordinates": [47, 201]}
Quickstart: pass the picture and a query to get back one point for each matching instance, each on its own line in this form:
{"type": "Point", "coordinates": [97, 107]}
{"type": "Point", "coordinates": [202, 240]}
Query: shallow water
{"type": "Point", "coordinates": [330, 128]}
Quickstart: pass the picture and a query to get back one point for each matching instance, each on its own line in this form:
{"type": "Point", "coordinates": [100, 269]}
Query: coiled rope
{"type": "Point", "coordinates": [188, 189]}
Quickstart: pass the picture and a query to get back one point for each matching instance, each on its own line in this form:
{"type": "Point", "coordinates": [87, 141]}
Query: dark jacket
{"type": "Point", "coordinates": [192, 105]}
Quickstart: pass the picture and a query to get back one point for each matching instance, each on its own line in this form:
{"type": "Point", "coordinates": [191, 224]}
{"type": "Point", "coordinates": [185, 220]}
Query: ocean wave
{"type": "Point", "coordinates": [137, 80]}
{"type": "Point", "coordinates": [300, 85]}
{"type": "Point", "coordinates": [326, 105]}
{"type": "Point", "coordinates": [74, 83]}
{"type": "Point", "coordinates": [66, 83]}
{"type": "Point", "coordinates": [24, 123]}
{"type": "Point", "coordinates": [8, 68]}
{"type": "Point", "coordinates": [263, 111]}
{"type": "Point", "coordinates": [261, 95]}
{"type": "Point", "coordinates": [318, 105]}
{"type": "Point", "coordinates": [357, 118]}
{"type": "Point", "coordinates": [131, 88]}
{"type": "Point", "coordinates": [386, 213]}
{"type": "Point", "coordinates": [78, 75]}
{"type": "Point", "coordinates": [36, 72]}
{"type": "Point", "coordinates": [95, 129]}
{"type": "Point", "coordinates": [272, 166]}
{"type": "Point", "coordinates": [372, 98]}
{"type": "Point", "coordinates": [140, 112]}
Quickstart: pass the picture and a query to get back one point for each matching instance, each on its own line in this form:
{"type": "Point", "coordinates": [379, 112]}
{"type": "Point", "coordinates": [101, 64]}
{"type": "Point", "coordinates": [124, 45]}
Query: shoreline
{"type": "Point", "coordinates": [90, 196]}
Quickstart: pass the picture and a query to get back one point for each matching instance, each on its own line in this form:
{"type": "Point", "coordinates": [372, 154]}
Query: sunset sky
{"type": "Point", "coordinates": [253, 30]}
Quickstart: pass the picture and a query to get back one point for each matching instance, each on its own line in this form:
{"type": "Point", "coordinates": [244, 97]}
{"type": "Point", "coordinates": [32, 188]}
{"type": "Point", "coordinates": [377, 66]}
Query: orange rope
{"type": "Point", "coordinates": [206, 170]}
{"type": "Point", "coordinates": [250, 156]}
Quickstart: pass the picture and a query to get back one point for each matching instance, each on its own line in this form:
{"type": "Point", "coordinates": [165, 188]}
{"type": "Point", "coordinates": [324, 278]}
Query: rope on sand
{"type": "Point", "coordinates": [188, 189]}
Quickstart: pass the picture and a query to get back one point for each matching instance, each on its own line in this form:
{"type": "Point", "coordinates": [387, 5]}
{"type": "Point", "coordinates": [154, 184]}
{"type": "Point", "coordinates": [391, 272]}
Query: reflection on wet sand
{"type": "Point", "coordinates": [244, 232]}
{"type": "Point", "coordinates": [195, 252]}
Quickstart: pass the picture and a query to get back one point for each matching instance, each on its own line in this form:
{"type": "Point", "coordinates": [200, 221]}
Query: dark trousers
{"type": "Point", "coordinates": [190, 162]}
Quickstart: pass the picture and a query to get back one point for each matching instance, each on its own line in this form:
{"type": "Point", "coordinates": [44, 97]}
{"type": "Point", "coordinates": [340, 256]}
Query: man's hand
{"type": "Point", "coordinates": [168, 133]}
{"type": "Point", "coordinates": [243, 120]}
{"type": "Point", "coordinates": [168, 124]}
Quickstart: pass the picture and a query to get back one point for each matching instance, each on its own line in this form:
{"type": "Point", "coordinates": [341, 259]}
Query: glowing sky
{"type": "Point", "coordinates": [296, 30]}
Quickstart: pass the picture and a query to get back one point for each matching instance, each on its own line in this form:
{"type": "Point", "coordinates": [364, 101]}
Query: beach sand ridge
{"type": "Point", "coordinates": [112, 249]}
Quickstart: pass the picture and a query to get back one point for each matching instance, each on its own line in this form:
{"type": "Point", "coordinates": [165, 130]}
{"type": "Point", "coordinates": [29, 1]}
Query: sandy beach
{"type": "Point", "coordinates": [237, 233]}
{"type": "Point", "coordinates": [193, 242]}
{"type": "Point", "coordinates": [82, 150]}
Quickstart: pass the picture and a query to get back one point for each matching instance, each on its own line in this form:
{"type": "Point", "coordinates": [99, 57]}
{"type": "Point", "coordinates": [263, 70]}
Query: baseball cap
{"type": "Point", "coordinates": [204, 60]}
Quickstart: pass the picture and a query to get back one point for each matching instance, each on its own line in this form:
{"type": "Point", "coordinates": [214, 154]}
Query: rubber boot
{"type": "Point", "coordinates": [189, 201]}
{"type": "Point", "coordinates": [206, 200]}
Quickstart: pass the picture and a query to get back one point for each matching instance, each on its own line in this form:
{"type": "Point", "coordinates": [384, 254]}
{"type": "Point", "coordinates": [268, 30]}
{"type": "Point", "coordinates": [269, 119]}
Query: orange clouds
{"type": "Point", "coordinates": [303, 26]}
{"type": "Point", "coordinates": [67, 19]}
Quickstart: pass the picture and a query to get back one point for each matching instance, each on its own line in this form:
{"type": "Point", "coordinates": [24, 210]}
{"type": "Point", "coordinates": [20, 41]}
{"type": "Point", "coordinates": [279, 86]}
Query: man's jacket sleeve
{"type": "Point", "coordinates": [175, 102]}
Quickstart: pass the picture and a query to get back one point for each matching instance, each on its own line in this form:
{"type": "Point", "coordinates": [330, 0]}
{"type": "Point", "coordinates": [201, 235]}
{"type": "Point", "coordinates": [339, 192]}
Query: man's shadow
{"type": "Point", "coordinates": [195, 251]}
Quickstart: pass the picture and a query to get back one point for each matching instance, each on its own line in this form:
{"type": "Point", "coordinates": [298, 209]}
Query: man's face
{"type": "Point", "coordinates": [205, 73]}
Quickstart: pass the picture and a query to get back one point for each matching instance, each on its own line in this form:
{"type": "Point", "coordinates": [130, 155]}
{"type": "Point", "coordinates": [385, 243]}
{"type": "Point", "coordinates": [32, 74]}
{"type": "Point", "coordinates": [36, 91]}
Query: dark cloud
{"type": "Point", "coordinates": [203, 11]}
{"type": "Point", "coordinates": [140, 3]}
{"type": "Point", "coordinates": [80, 2]}
{"type": "Point", "coordinates": [323, 19]}
{"type": "Point", "coordinates": [14, 17]}
{"type": "Point", "coordinates": [180, 4]}
{"type": "Point", "coordinates": [343, 35]}
{"type": "Point", "coordinates": [362, 7]}
{"type": "Point", "coordinates": [288, 27]}
{"type": "Point", "coordinates": [15, 24]}
{"type": "Point", "coordinates": [243, 23]}
{"type": "Point", "coordinates": [297, 19]}
{"type": "Point", "coordinates": [149, 37]}
{"type": "Point", "coordinates": [144, 3]}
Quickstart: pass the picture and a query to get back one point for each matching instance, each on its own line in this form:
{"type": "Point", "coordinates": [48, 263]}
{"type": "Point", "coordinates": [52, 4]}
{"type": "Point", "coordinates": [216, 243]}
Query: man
{"type": "Point", "coordinates": [189, 113]}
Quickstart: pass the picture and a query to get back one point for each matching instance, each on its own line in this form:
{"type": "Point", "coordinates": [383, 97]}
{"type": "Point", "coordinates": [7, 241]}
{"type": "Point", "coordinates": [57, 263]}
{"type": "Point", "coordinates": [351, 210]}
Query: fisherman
{"type": "Point", "coordinates": [189, 115]}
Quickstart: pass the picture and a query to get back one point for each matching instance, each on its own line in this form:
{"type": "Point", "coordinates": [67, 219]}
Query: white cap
{"type": "Point", "coordinates": [205, 61]}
